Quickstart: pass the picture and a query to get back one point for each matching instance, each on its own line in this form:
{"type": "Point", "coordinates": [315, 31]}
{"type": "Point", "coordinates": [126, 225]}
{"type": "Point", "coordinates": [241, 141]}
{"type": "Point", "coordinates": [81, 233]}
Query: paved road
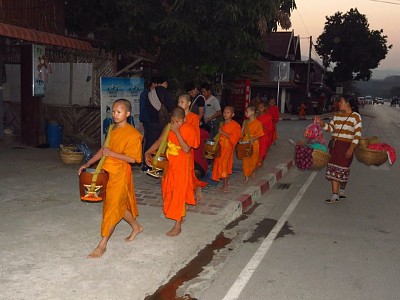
{"type": "Point", "coordinates": [343, 251]}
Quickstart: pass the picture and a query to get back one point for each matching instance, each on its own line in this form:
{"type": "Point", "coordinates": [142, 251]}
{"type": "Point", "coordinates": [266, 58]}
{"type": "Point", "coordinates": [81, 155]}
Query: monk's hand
{"type": "Point", "coordinates": [349, 152]}
{"type": "Point", "coordinates": [175, 127]}
{"type": "Point", "coordinates": [148, 158]}
{"type": "Point", "coordinates": [81, 169]}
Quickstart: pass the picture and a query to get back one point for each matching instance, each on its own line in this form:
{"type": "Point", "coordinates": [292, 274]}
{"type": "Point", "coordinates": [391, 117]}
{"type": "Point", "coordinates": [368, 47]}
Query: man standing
{"type": "Point", "coordinates": [212, 109]}
{"type": "Point", "coordinates": [198, 100]}
{"type": "Point", "coordinates": [158, 107]}
{"type": "Point", "coordinates": [144, 118]}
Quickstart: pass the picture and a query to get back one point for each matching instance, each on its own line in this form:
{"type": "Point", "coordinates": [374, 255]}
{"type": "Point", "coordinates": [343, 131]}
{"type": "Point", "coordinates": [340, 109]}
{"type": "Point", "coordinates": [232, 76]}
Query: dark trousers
{"type": "Point", "coordinates": [214, 128]}
{"type": "Point", "coordinates": [152, 131]}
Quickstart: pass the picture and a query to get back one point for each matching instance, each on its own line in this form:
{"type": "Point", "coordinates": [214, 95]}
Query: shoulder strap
{"type": "Point", "coordinates": [246, 128]}
{"type": "Point", "coordinates": [100, 164]}
{"type": "Point", "coordinates": [337, 135]}
{"type": "Point", "coordinates": [163, 144]}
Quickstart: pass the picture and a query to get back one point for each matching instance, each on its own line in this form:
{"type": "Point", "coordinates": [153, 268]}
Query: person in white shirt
{"type": "Point", "coordinates": [212, 109]}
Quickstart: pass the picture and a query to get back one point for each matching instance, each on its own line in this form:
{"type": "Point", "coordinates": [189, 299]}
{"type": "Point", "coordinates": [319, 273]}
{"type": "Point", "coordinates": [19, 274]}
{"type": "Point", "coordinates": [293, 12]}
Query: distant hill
{"type": "Point", "coordinates": [378, 88]}
{"type": "Point", "coordinates": [382, 74]}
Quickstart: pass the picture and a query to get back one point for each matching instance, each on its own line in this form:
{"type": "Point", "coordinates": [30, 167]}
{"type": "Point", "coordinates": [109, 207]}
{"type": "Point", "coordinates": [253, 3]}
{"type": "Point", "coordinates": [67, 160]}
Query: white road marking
{"type": "Point", "coordinates": [244, 276]}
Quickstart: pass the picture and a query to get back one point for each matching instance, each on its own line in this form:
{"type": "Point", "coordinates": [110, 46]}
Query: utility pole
{"type": "Point", "coordinates": [309, 68]}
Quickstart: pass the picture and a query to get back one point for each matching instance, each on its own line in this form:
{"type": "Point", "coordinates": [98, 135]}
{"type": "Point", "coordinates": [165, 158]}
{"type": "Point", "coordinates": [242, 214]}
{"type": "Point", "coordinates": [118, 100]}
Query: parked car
{"type": "Point", "coordinates": [378, 100]}
{"type": "Point", "coordinates": [368, 99]}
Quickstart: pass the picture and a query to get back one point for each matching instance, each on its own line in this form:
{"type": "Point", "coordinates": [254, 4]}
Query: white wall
{"type": "Point", "coordinates": [58, 88]}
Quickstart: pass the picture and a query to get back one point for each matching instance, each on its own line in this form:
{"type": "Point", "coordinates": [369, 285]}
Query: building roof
{"type": "Point", "coordinates": [283, 45]}
{"type": "Point", "coordinates": [42, 37]}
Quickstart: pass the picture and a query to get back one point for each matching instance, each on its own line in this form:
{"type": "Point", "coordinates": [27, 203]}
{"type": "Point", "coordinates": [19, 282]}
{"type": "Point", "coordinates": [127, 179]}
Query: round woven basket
{"type": "Point", "coordinates": [370, 157]}
{"type": "Point", "coordinates": [364, 142]}
{"type": "Point", "coordinates": [70, 155]}
{"type": "Point", "coordinates": [320, 159]}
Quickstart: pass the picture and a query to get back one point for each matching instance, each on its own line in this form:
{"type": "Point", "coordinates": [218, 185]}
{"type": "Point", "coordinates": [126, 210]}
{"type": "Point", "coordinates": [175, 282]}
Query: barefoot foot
{"type": "Point", "coordinates": [246, 180]}
{"type": "Point", "coordinates": [98, 252]}
{"type": "Point", "coordinates": [138, 229]}
{"type": "Point", "coordinates": [224, 189]}
{"type": "Point", "coordinates": [176, 230]}
{"type": "Point", "coordinates": [198, 195]}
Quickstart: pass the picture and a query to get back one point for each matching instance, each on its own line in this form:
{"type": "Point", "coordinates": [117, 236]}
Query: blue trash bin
{"type": "Point", "coordinates": [54, 135]}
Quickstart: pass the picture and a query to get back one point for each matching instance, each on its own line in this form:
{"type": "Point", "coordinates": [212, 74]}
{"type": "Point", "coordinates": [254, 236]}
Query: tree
{"type": "Point", "coordinates": [190, 39]}
{"type": "Point", "coordinates": [350, 47]}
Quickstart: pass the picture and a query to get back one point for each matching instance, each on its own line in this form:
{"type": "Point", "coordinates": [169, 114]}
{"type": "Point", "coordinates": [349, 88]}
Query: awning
{"type": "Point", "coordinates": [42, 37]}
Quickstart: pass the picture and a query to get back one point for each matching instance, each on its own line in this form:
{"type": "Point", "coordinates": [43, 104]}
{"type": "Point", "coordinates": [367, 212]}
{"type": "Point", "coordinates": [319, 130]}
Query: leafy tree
{"type": "Point", "coordinates": [190, 39]}
{"type": "Point", "coordinates": [350, 47]}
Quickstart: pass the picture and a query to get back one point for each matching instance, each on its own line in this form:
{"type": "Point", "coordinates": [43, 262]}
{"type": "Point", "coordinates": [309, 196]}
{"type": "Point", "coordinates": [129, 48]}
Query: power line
{"type": "Point", "coordinates": [387, 2]}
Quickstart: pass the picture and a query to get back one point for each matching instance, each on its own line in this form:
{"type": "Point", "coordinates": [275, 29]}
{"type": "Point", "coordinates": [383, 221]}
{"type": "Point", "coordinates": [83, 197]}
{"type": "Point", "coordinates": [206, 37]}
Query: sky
{"type": "Point", "coordinates": [309, 20]}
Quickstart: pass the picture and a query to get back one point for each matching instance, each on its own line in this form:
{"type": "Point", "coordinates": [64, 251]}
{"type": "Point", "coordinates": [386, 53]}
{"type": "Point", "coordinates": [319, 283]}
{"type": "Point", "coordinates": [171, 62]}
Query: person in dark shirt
{"type": "Point", "coordinates": [157, 98]}
{"type": "Point", "coordinates": [144, 118]}
{"type": "Point", "coordinates": [198, 100]}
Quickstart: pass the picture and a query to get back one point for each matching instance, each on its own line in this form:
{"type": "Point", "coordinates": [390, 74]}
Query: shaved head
{"type": "Point", "coordinates": [178, 113]}
{"type": "Point", "coordinates": [125, 102]}
{"type": "Point", "coordinates": [230, 108]}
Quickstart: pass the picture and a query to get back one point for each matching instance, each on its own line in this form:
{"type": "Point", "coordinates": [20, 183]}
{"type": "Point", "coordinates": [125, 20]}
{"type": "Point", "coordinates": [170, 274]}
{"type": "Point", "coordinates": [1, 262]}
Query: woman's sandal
{"type": "Point", "coordinates": [330, 201]}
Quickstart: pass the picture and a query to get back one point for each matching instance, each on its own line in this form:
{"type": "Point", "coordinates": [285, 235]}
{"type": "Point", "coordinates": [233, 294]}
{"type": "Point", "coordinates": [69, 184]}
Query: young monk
{"type": "Point", "coordinates": [251, 131]}
{"type": "Point", "coordinates": [120, 203]}
{"type": "Point", "coordinates": [268, 126]}
{"type": "Point", "coordinates": [177, 183]}
{"type": "Point", "coordinates": [274, 111]}
{"type": "Point", "coordinates": [184, 101]}
{"type": "Point", "coordinates": [230, 133]}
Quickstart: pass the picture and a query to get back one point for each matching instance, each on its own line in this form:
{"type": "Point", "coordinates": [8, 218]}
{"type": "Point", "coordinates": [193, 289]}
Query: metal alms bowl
{"type": "Point", "coordinates": [210, 142]}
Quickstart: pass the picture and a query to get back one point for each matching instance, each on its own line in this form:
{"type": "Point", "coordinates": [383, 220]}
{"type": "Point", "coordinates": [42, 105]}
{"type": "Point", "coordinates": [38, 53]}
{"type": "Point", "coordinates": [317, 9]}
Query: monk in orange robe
{"type": "Point", "coordinates": [120, 203]}
{"type": "Point", "coordinates": [274, 111]}
{"type": "Point", "coordinates": [268, 127]}
{"type": "Point", "coordinates": [177, 184]}
{"type": "Point", "coordinates": [230, 134]}
{"type": "Point", "coordinates": [184, 101]}
{"type": "Point", "coordinates": [252, 130]}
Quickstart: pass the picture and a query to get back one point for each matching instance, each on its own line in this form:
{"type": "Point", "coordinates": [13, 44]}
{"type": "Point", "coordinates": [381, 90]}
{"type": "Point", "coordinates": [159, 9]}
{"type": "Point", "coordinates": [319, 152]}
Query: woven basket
{"type": "Point", "coordinates": [364, 143]}
{"type": "Point", "coordinates": [370, 157]}
{"type": "Point", "coordinates": [320, 159]}
{"type": "Point", "coordinates": [70, 155]}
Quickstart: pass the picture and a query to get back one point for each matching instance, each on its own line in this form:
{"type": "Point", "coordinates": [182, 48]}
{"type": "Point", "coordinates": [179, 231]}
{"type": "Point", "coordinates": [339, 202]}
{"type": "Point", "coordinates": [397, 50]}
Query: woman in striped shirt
{"type": "Point", "coordinates": [346, 133]}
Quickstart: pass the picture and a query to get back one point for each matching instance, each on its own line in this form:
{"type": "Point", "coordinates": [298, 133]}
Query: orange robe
{"type": "Point", "coordinates": [302, 110]}
{"type": "Point", "coordinates": [255, 130]}
{"type": "Point", "coordinates": [193, 119]}
{"type": "Point", "coordinates": [120, 195]}
{"type": "Point", "coordinates": [222, 167]}
{"type": "Point", "coordinates": [266, 139]}
{"type": "Point", "coordinates": [274, 111]}
{"type": "Point", "coordinates": [177, 183]}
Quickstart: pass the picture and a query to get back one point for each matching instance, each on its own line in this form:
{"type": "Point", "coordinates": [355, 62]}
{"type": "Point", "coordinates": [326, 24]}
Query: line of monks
{"type": "Point", "coordinates": [179, 182]}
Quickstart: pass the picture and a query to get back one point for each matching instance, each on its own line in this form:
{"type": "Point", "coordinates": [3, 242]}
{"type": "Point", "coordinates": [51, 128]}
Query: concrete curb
{"type": "Point", "coordinates": [247, 199]}
{"type": "Point", "coordinates": [302, 119]}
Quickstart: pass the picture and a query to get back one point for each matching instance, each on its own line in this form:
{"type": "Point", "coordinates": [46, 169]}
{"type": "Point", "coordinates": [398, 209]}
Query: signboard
{"type": "Point", "coordinates": [280, 71]}
{"type": "Point", "coordinates": [113, 88]}
{"type": "Point", "coordinates": [39, 64]}
{"type": "Point", "coordinates": [240, 97]}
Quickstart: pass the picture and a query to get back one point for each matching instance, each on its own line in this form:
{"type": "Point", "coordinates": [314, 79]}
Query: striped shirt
{"type": "Point", "coordinates": [345, 128]}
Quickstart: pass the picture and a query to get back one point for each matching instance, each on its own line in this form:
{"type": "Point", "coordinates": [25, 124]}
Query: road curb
{"type": "Point", "coordinates": [310, 118]}
{"type": "Point", "coordinates": [246, 200]}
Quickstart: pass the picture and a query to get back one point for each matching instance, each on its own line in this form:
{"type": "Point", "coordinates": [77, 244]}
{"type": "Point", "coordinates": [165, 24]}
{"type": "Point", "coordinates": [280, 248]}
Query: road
{"type": "Point", "coordinates": [341, 251]}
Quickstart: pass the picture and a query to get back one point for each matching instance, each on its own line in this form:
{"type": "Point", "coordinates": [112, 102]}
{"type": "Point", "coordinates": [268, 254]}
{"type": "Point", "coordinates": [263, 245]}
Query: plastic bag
{"type": "Point", "coordinates": [87, 154]}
